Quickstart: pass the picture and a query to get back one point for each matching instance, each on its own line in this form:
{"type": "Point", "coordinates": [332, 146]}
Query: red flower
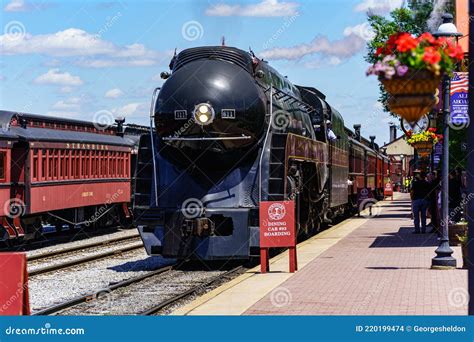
{"type": "Point", "coordinates": [431, 55]}
{"type": "Point", "coordinates": [428, 37]}
{"type": "Point", "coordinates": [391, 43]}
{"type": "Point", "coordinates": [442, 41]}
{"type": "Point", "coordinates": [379, 51]}
{"type": "Point", "coordinates": [432, 129]}
{"type": "Point", "coordinates": [455, 51]}
{"type": "Point", "coordinates": [406, 42]}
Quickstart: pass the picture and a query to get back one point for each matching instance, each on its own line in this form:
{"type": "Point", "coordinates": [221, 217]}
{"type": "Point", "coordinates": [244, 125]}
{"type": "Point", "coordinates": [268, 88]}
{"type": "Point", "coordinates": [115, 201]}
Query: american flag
{"type": "Point", "coordinates": [459, 83]}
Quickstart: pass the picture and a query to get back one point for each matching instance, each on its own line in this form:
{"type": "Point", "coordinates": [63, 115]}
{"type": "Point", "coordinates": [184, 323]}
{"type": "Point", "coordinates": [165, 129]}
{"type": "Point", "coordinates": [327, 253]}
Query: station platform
{"type": "Point", "coordinates": [368, 265]}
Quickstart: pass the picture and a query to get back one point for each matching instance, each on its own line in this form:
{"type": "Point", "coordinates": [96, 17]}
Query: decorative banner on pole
{"type": "Point", "coordinates": [459, 99]}
{"type": "Point", "coordinates": [438, 151]}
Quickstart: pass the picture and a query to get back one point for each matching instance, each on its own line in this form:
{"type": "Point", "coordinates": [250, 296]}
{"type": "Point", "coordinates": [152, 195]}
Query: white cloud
{"type": "Point", "coordinates": [56, 77]}
{"type": "Point", "coordinates": [66, 90]}
{"type": "Point", "coordinates": [94, 51]}
{"type": "Point", "coordinates": [70, 107]}
{"type": "Point", "coordinates": [342, 48]}
{"type": "Point", "coordinates": [130, 109]}
{"type": "Point", "coordinates": [353, 41]}
{"type": "Point", "coordinates": [363, 30]}
{"type": "Point", "coordinates": [70, 104]}
{"type": "Point", "coordinates": [333, 60]}
{"type": "Point", "coordinates": [23, 6]}
{"type": "Point", "coordinates": [63, 114]}
{"type": "Point", "coordinates": [379, 7]}
{"type": "Point", "coordinates": [265, 8]}
{"type": "Point", "coordinates": [70, 42]}
{"type": "Point", "coordinates": [16, 6]}
{"type": "Point", "coordinates": [114, 93]}
{"type": "Point", "coordinates": [111, 62]}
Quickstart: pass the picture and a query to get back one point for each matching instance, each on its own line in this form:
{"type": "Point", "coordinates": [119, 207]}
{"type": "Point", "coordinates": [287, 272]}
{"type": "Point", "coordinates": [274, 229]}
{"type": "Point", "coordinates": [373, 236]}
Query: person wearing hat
{"type": "Point", "coordinates": [331, 135]}
{"type": "Point", "coordinates": [420, 193]}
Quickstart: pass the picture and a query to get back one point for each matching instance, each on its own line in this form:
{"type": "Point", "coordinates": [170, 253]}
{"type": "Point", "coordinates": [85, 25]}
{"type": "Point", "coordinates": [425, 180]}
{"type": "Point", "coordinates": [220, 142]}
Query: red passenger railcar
{"type": "Point", "coordinates": [368, 167]}
{"type": "Point", "coordinates": [61, 172]}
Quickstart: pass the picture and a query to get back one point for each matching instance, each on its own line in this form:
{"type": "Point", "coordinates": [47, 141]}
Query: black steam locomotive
{"type": "Point", "coordinates": [229, 132]}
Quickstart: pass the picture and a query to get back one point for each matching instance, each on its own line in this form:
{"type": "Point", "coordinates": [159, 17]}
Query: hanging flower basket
{"type": "Point", "coordinates": [423, 142]}
{"type": "Point", "coordinates": [410, 69]}
{"type": "Point", "coordinates": [412, 95]}
{"type": "Point", "coordinates": [423, 148]}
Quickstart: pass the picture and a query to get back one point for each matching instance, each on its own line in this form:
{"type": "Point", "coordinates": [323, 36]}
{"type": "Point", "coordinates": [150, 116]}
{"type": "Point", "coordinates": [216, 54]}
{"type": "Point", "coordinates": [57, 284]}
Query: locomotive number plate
{"type": "Point", "coordinates": [228, 113]}
{"type": "Point", "coordinates": [180, 114]}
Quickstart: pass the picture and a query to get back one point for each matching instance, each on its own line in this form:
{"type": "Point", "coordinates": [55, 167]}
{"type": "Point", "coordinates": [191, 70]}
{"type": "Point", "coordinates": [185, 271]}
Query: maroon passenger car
{"type": "Point", "coordinates": [61, 173]}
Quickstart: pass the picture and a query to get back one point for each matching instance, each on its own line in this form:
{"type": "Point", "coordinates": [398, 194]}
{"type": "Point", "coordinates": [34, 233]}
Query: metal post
{"type": "Point", "coordinates": [444, 258]}
{"type": "Point", "coordinates": [470, 162]}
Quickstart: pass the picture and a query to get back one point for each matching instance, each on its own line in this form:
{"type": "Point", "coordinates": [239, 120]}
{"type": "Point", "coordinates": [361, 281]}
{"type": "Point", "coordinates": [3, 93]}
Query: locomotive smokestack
{"type": "Point", "coordinates": [393, 132]}
{"type": "Point", "coordinates": [357, 132]}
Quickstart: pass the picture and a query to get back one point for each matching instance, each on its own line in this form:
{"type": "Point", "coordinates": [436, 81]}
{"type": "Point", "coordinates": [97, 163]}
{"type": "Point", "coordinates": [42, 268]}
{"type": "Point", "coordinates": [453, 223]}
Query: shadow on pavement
{"type": "Point", "coordinates": [405, 238]}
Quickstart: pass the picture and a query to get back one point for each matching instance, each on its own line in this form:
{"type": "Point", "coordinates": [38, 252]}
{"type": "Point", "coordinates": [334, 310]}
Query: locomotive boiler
{"type": "Point", "coordinates": [226, 132]}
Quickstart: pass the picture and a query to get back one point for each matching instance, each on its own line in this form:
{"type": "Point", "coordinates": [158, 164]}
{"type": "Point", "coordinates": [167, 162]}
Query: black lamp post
{"type": "Point", "coordinates": [470, 164]}
{"type": "Point", "coordinates": [444, 258]}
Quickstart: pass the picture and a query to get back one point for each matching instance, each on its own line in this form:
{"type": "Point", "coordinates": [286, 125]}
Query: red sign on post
{"type": "Point", "coordinates": [277, 229]}
{"type": "Point", "coordinates": [388, 190]}
{"type": "Point", "coordinates": [14, 298]}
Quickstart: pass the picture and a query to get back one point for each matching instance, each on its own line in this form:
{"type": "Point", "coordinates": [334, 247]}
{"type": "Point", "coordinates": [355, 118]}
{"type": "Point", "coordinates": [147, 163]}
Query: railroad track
{"type": "Point", "coordinates": [79, 247]}
{"type": "Point", "coordinates": [47, 256]}
{"type": "Point", "coordinates": [56, 240]}
{"type": "Point", "coordinates": [172, 299]}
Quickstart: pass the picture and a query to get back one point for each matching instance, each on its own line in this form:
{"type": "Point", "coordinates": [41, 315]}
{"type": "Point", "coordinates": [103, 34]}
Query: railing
{"type": "Point", "coordinates": [264, 146]}
{"type": "Point", "coordinates": [152, 117]}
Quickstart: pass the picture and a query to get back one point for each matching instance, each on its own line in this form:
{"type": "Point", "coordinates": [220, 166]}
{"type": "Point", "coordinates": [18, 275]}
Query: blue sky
{"type": "Point", "coordinates": [97, 59]}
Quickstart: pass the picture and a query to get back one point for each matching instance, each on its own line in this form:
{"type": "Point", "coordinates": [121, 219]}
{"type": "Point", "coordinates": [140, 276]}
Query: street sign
{"type": "Point", "coordinates": [459, 99]}
{"type": "Point", "coordinates": [277, 229]}
{"type": "Point", "coordinates": [388, 190]}
{"type": "Point", "coordinates": [363, 194]}
{"type": "Point", "coordinates": [277, 224]}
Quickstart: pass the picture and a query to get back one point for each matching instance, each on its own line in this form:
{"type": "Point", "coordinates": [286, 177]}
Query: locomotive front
{"type": "Point", "coordinates": [210, 121]}
{"type": "Point", "coordinates": [211, 102]}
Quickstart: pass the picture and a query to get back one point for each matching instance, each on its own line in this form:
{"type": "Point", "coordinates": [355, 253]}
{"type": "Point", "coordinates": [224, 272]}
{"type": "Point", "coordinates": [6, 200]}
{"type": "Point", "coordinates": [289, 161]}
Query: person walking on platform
{"type": "Point", "coordinates": [407, 184]}
{"type": "Point", "coordinates": [434, 182]}
{"type": "Point", "coordinates": [420, 190]}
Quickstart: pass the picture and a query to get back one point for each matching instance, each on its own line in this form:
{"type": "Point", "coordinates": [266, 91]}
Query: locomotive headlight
{"type": "Point", "coordinates": [204, 114]}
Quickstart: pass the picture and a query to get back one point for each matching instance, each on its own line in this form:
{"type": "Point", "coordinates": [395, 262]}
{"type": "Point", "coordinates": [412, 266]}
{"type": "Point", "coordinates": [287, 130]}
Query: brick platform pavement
{"type": "Point", "coordinates": [378, 269]}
